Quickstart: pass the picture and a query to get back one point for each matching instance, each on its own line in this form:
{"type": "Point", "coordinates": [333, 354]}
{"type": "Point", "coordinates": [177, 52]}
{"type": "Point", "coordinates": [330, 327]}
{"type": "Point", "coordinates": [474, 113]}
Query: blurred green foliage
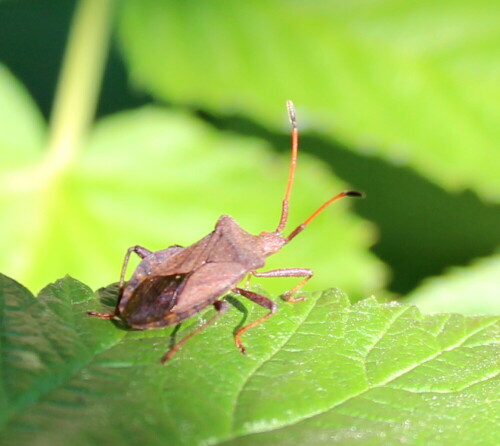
{"type": "Point", "coordinates": [398, 99]}
{"type": "Point", "coordinates": [412, 82]}
{"type": "Point", "coordinates": [395, 98]}
{"type": "Point", "coordinates": [458, 289]}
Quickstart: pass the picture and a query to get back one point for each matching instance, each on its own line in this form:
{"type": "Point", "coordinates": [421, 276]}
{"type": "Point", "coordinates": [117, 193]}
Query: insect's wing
{"type": "Point", "coordinates": [165, 300]}
{"type": "Point", "coordinates": [191, 258]}
{"type": "Point", "coordinates": [205, 285]}
{"type": "Point", "coordinates": [152, 300]}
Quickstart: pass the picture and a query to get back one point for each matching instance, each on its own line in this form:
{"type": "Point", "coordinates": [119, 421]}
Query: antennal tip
{"type": "Point", "coordinates": [291, 113]}
{"type": "Point", "coordinates": [354, 193]}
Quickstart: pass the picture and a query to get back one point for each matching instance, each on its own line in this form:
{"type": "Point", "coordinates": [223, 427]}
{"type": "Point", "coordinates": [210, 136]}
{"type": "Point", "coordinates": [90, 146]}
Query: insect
{"type": "Point", "coordinates": [174, 284]}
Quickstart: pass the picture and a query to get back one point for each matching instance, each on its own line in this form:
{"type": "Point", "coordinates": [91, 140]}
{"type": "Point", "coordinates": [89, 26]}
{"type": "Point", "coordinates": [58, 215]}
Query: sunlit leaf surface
{"type": "Point", "coordinates": [321, 371]}
{"type": "Point", "coordinates": [22, 129]}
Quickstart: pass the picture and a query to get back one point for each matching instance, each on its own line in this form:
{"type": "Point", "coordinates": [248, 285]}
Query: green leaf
{"type": "Point", "coordinates": [21, 125]}
{"type": "Point", "coordinates": [158, 178]}
{"type": "Point", "coordinates": [22, 133]}
{"type": "Point", "coordinates": [414, 82]}
{"type": "Point", "coordinates": [320, 371]}
{"type": "Point", "coordinates": [471, 290]}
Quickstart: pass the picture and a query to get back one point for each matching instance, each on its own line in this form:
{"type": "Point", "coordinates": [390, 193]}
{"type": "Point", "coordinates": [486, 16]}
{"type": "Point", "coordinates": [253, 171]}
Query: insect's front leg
{"type": "Point", "coordinates": [141, 252]}
{"type": "Point", "coordinates": [289, 272]}
{"type": "Point", "coordinates": [259, 300]}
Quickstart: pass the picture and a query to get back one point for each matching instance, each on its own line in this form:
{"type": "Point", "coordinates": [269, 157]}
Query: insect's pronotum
{"type": "Point", "coordinates": [173, 284]}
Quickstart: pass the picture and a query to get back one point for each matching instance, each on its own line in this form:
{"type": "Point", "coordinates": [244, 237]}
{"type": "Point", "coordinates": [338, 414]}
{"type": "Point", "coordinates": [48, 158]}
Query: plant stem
{"type": "Point", "coordinates": [79, 83]}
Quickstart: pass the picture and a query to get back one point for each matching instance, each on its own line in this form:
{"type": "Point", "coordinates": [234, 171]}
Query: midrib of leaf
{"type": "Point", "coordinates": [388, 380]}
{"type": "Point", "coordinates": [383, 332]}
{"type": "Point", "coordinates": [444, 321]}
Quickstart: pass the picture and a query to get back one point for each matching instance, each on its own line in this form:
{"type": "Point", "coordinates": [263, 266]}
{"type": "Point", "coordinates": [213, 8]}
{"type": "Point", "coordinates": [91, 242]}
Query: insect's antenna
{"type": "Point", "coordinates": [318, 211]}
{"type": "Point", "coordinates": [293, 164]}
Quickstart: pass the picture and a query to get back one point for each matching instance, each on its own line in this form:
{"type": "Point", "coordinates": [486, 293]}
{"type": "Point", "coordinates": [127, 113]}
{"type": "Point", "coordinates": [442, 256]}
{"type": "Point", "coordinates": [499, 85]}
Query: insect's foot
{"type": "Point", "coordinates": [289, 298]}
{"type": "Point", "coordinates": [101, 315]}
{"type": "Point", "coordinates": [240, 346]}
{"type": "Point", "coordinates": [166, 357]}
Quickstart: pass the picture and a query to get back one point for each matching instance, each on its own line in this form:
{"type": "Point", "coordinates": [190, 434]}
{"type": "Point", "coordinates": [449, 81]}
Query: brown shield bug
{"type": "Point", "coordinates": [173, 284]}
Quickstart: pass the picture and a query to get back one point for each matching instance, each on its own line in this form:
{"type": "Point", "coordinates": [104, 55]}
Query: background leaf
{"type": "Point", "coordinates": [422, 228]}
{"type": "Point", "coordinates": [413, 82]}
{"type": "Point", "coordinates": [22, 132]}
{"type": "Point", "coordinates": [22, 129]}
{"type": "Point", "coordinates": [319, 372]}
{"type": "Point", "coordinates": [156, 178]}
{"type": "Point", "coordinates": [471, 290]}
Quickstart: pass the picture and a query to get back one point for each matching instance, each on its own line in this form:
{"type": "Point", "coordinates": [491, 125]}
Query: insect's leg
{"type": "Point", "coordinates": [101, 315]}
{"type": "Point", "coordinates": [259, 300]}
{"type": "Point", "coordinates": [141, 252]}
{"type": "Point", "coordinates": [289, 272]}
{"type": "Point", "coordinates": [247, 279]}
{"type": "Point", "coordinates": [220, 306]}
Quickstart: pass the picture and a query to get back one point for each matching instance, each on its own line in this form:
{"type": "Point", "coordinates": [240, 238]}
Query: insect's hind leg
{"type": "Point", "coordinates": [220, 306]}
{"type": "Point", "coordinates": [101, 315]}
{"type": "Point", "coordinates": [259, 300]}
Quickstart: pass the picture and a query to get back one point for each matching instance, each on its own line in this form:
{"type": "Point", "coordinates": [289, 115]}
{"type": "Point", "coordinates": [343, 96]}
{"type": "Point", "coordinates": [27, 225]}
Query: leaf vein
{"type": "Point", "coordinates": [251, 373]}
{"type": "Point", "coordinates": [383, 383]}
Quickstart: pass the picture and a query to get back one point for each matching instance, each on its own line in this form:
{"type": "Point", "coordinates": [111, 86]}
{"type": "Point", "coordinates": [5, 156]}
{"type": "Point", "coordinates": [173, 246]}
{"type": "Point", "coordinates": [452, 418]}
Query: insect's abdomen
{"type": "Point", "coordinates": [152, 301]}
{"type": "Point", "coordinates": [166, 300]}
{"type": "Point", "coordinates": [206, 285]}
